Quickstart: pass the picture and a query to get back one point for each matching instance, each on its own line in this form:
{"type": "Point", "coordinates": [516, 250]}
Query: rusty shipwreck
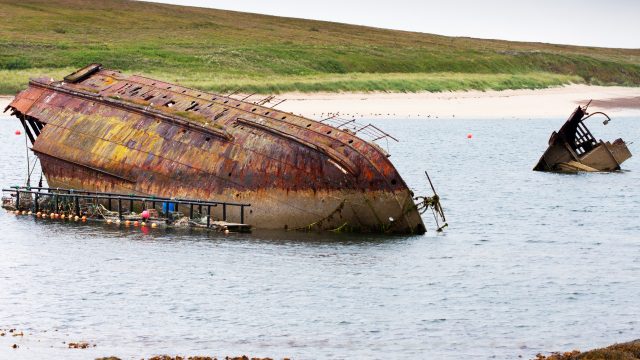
{"type": "Point", "coordinates": [101, 130]}
{"type": "Point", "coordinates": [573, 148]}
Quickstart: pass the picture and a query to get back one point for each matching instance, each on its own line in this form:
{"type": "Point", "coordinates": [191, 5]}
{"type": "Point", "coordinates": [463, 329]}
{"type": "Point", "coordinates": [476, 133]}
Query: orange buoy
{"type": "Point", "coordinates": [84, 218]}
{"type": "Point", "coordinates": [135, 223]}
{"type": "Point", "coordinates": [17, 212]}
{"type": "Point", "coordinates": [154, 225]}
{"type": "Point", "coordinates": [29, 213]}
{"type": "Point", "coordinates": [52, 215]}
{"type": "Point", "coordinates": [38, 214]}
{"type": "Point", "coordinates": [469, 135]}
{"type": "Point", "coordinates": [127, 223]}
{"type": "Point", "coordinates": [24, 212]}
{"type": "Point", "coordinates": [62, 216]}
{"type": "Point", "coordinates": [108, 221]}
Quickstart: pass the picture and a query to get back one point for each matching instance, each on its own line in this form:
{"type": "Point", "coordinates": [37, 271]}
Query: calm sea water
{"type": "Point", "coordinates": [531, 262]}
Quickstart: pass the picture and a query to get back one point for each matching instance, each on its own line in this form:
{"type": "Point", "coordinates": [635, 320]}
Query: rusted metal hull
{"type": "Point", "coordinates": [130, 134]}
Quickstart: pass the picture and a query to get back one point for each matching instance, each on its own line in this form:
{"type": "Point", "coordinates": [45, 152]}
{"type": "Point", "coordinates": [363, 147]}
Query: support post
{"type": "Point", "coordinates": [191, 211]}
{"type": "Point", "coordinates": [26, 129]}
{"type": "Point", "coordinates": [208, 216]}
{"type": "Point", "coordinates": [77, 201]}
{"type": "Point", "coordinates": [17, 199]}
{"type": "Point", "coordinates": [241, 214]}
{"type": "Point", "coordinates": [224, 212]}
{"type": "Point", "coordinates": [120, 208]}
{"type": "Point", "coordinates": [36, 205]}
{"type": "Point", "coordinates": [35, 128]}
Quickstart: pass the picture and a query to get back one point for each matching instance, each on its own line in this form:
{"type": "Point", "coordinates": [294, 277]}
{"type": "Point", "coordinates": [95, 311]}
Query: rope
{"type": "Point", "coordinates": [33, 167]}
{"type": "Point", "coordinates": [26, 147]}
{"type": "Point", "coordinates": [319, 222]}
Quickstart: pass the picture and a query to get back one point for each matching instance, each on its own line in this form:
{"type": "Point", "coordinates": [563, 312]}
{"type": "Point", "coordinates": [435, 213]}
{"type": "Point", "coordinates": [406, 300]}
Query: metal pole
{"type": "Point", "coordinates": [279, 103]}
{"type": "Point", "coordinates": [208, 216]}
{"type": "Point", "coordinates": [224, 212]}
{"type": "Point", "coordinates": [120, 208]}
{"type": "Point", "coordinates": [26, 130]}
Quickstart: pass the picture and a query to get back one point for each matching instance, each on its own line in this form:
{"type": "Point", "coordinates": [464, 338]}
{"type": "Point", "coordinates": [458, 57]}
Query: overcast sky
{"type": "Point", "coordinates": [607, 23]}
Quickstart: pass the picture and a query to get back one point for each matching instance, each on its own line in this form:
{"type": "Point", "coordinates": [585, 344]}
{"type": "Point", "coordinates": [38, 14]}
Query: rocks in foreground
{"type": "Point", "coordinates": [625, 351]}
{"type": "Point", "coordinates": [243, 357]}
{"type": "Point", "coordinates": [79, 345]}
{"type": "Point", "coordinates": [178, 357]}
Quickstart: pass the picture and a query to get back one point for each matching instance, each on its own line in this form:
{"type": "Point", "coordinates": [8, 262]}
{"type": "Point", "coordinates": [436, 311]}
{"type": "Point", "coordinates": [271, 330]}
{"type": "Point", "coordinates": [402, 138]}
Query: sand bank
{"type": "Point", "coordinates": [4, 101]}
{"type": "Point", "coordinates": [521, 104]}
{"type": "Point", "coordinates": [524, 104]}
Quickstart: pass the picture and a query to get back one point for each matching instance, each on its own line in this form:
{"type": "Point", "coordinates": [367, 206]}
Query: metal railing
{"type": "Point", "coordinates": [58, 194]}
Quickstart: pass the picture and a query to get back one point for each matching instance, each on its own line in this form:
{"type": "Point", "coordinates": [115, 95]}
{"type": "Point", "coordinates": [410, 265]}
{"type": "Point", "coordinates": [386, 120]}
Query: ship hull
{"type": "Point", "coordinates": [270, 209]}
{"type": "Point", "coordinates": [105, 133]}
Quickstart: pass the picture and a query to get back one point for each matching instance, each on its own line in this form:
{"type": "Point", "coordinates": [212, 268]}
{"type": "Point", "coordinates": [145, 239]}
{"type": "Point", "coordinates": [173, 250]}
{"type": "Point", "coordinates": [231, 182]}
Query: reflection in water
{"type": "Point", "coordinates": [530, 262]}
{"type": "Point", "coordinates": [275, 237]}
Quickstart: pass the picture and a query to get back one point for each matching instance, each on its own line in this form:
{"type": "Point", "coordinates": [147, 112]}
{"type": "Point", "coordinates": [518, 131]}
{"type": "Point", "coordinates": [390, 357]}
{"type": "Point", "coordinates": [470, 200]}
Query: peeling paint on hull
{"type": "Point", "coordinates": [130, 134]}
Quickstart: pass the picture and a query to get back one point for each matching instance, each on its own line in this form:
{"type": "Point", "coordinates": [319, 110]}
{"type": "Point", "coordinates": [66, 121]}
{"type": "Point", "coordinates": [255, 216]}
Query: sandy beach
{"type": "Point", "coordinates": [4, 101]}
{"type": "Point", "coordinates": [524, 104]}
{"type": "Point", "coordinates": [520, 104]}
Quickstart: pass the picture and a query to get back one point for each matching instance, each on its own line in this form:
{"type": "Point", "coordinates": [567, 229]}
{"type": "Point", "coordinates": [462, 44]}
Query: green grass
{"type": "Point", "coordinates": [370, 82]}
{"type": "Point", "coordinates": [223, 50]}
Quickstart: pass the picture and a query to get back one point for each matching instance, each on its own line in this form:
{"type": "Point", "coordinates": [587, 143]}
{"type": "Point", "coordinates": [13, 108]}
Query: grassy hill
{"type": "Point", "coordinates": [224, 50]}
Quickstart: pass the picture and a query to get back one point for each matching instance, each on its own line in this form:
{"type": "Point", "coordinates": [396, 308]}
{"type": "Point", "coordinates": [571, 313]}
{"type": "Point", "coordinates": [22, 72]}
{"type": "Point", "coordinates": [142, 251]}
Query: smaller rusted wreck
{"type": "Point", "coordinates": [573, 148]}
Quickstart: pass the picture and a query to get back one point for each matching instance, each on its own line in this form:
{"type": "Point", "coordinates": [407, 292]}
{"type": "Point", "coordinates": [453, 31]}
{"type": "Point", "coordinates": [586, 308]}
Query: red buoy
{"type": "Point", "coordinates": [469, 135]}
{"type": "Point", "coordinates": [18, 132]}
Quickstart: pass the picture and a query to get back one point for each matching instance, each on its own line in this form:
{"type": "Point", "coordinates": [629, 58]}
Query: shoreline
{"type": "Point", "coordinates": [519, 104]}
{"type": "Point", "coordinates": [514, 104]}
